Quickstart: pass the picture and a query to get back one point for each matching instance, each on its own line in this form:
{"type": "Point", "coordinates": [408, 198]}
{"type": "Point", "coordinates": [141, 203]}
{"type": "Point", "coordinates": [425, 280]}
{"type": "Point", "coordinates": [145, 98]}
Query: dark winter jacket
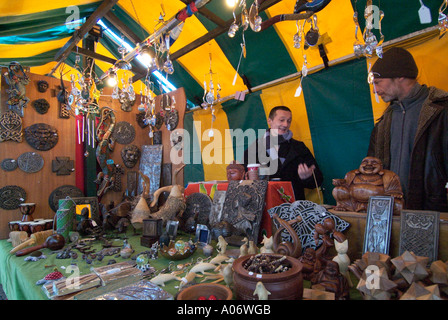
{"type": "Point", "coordinates": [294, 152]}
{"type": "Point", "coordinates": [428, 173]}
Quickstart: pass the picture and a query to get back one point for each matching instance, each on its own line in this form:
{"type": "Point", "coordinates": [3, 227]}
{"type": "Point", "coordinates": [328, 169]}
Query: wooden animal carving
{"type": "Point", "coordinates": [293, 249]}
{"type": "Point", "coordinates": [174, 205]}
{"type": "Point", "coordinates": [261, 291]}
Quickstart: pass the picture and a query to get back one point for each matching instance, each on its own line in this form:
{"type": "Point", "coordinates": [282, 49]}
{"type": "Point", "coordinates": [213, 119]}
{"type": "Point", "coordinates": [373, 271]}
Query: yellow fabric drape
{"type": "Point", "coordinates": [216, 151]}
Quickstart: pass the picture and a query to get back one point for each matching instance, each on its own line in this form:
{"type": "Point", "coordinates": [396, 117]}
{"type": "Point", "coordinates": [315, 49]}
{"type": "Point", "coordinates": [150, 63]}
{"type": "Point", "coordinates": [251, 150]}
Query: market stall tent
{"type": "Point", "coordinates": [334, 113]}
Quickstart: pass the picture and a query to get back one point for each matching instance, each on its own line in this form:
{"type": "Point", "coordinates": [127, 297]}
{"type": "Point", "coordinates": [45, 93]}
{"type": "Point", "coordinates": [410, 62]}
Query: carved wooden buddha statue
{"type": "Point", "coordinates": [353, 192]}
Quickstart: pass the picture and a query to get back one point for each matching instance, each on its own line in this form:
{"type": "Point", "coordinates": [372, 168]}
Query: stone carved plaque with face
{"type": "Point", "coordinates": [130, 155]}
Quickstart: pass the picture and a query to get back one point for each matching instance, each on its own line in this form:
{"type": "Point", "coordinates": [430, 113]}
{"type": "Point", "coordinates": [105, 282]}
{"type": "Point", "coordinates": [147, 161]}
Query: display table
{"type": "Point", "coordinates": [18, 277]}
{"type": "Point", "coordinates": [273, 198]}
{"type": "Point", "coordinates": [355, 234]}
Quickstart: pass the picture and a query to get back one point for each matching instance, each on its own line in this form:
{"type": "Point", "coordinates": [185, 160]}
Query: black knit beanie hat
{"type": "Point", "coordinates": [396, 62]}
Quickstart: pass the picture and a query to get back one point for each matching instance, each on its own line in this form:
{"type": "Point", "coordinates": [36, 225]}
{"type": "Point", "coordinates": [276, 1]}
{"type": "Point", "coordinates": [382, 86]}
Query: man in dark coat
{"type": "Point", "coordinates": [286, 158]}
{"type": "Point", "coordinates": [411, 137]}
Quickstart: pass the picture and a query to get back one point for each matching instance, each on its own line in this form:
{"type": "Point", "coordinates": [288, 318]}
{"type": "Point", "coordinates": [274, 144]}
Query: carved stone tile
{"type": "Point", "coordinates": [419, 233]}
{"type": "Point", "coordinates": [378, 224]}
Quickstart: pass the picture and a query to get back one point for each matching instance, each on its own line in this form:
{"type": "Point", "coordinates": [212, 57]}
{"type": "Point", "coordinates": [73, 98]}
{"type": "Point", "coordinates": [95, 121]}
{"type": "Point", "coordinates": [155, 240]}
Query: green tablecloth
{"type": "Point", "coordinates": [18, 277]}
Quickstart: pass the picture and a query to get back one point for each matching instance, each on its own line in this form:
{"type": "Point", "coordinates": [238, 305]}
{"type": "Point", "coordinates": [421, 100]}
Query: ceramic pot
{"type": "Point", "coordinates": [205, 290]}
{"type": "Point", "coordinates": [286, 285]}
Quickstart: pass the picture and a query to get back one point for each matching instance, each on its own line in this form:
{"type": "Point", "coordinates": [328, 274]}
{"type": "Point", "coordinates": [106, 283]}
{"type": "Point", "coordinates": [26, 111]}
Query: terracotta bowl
{"type": "Point", "coordinates": [195, 291]}
{"type": "Point", "coordinates": [286, 285]}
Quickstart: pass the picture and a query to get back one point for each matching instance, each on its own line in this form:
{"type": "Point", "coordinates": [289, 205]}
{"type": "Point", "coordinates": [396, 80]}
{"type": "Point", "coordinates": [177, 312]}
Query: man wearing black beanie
{"type": "Point", "coordinates": [411, 137]}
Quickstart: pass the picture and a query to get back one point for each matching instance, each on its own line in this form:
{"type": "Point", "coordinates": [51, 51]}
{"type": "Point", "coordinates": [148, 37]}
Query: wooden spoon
{"type": "Point", "coordinates": [53, 242]}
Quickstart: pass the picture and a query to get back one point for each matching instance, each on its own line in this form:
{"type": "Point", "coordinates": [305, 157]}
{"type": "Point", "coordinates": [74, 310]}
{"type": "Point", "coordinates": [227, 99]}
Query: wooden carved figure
{"type": "Point", "coordinates": [222, 244]}
{"type": "Point", "coordinates": [342, 259]}
{"type": "Point", "coordinates": [294, 248]}
{"type": "Point", "coordinates": [353, 192]}
{"type": "Point", "coordinates": [333, 281]}
{"type": "Point", "coordinates": [267, 245]}
{"type": "Point", "coordinates": [261, 291]}
{"type": "Point", "coordinates": [325, 231]}
{"type": "Point", "coordinates": [235, 171]}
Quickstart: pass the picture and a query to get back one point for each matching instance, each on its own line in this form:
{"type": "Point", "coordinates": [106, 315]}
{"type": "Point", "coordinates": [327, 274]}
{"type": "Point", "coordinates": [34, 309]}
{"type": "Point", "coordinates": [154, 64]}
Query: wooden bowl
{"type": "Point", "coordinates": [195, 291]}
{"type": "Point", "coordinates": [287, 285]}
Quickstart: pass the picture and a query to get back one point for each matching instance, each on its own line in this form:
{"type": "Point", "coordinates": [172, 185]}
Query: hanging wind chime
{"type": "Point", "coordinates": [82, 102]}
{"type": "Point", "coordinates": [209, 94]}
{"type": "Point", "coordinates": [370, 43]}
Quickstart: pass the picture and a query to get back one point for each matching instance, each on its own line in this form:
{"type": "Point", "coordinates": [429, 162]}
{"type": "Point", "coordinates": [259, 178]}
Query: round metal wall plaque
{"type": "Point", "coordinates": [61, 193]}
{"type": "Point", "coordinates": [9, 164]}
{"type": "Point", "coordinates": [30, 162]}
{"type": "Point", "coordinates": [41, 136]}
{"type": "Point", "coordinates": [124, 132]}
{"type": "Point", "coordinates": [11, 197]}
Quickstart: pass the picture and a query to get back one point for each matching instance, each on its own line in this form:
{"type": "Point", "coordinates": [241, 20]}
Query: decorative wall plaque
{"type": "Point", "coordinates": [63, 166]}
{"type": "Point", "coordinates": [243, 208]}
{"type": "Point", "coordinates": [9, 164]}
{"type": "Point", "coordinates": [151, 166]}
{"type": "Point", "coordinates": [30, 162]}
{"type": "Point", "coordinates": [378, 224]}
{"type": "Point", "coordinates": [11, 197]}
{"type": "Point", "coordinates": [198, 207]}
{"type": "Point", "coordinates": [41, 136]}
{"type": "Point", "coordinates": [160, 118]}
{"type": "Point", "coordinates": [42, 86]}
{"type": "Point", "coordinates": [311, 214]}
{"type": "Point", "coordinates": [171, 119]}
{"type": "Point", "coordinates": [130, 155]}
{"type": "Point", "coordinates": [140, 118]}
{"type": "Point", "coordinates": [61, 193]}
{"type": "Point", "coordinates": [41, 106]}
{"type": "Point", "coordinates": [10, 127]}
{"type": "Point", "coordinates": [124, 132]}
{"type": "Point", "coordinates": [126, 100]}
{"type": "Point", "coordinates": [419, 233]}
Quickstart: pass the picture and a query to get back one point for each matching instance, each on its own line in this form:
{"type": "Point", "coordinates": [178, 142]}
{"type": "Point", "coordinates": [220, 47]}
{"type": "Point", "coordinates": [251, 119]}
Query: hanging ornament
{"type": "Point", "coordinates": [254, 19]}
{"type": "Point", "coordinates": [298, 36]}
{"type": "Point", "coordinates": [233, 27]}
{"type": "Point", "coordinates": [168, 65]}
{"type": "Point", "coordinates": [443, 20]}
{"type": "Point", "coordinates": [370, 44]}
{"type": "Point", "coordinates": [304, 74]}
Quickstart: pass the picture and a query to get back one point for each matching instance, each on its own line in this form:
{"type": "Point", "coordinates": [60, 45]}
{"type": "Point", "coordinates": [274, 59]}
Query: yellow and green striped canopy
{"type": "Point", "coordinates": [335, 111]}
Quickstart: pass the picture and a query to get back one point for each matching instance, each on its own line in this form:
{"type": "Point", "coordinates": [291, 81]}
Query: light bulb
{"type": "Point", "coordinates": [112, 80]}
{"type": "Point", "coordinates": [231, 3]}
